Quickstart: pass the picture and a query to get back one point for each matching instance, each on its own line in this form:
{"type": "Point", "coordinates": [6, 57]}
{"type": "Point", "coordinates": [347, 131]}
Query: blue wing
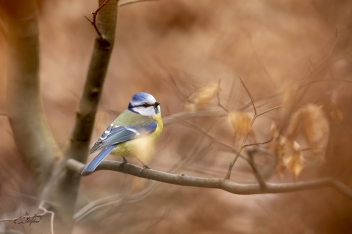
{"type": "Point", "coordinates": [111, 137]}
{"type": "Point", "coordinates": [119, 134]}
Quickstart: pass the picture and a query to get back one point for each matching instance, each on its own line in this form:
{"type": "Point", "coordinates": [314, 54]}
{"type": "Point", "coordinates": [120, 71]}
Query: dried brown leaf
{"type": "Point", "coordinates": [203, 96]}
{"type": "Point", "coordinates": [241, 125]}
{"type": "Point", "coordinates": [288, 154]}
{"type": "Point", "coordinates": [316, 126]}
{"type": "Point", "coordinates": [293, 159]}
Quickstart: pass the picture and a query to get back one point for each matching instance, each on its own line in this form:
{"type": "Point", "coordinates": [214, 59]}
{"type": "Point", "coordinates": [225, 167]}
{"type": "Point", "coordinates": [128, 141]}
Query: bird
{"type": "Point", "coordinates": [141, 119]}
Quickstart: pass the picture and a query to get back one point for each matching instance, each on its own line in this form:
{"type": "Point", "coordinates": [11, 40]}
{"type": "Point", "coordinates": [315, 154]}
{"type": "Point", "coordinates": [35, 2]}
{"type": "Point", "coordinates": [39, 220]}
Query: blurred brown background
{"type": "Point", "coordinates": [171, 48]}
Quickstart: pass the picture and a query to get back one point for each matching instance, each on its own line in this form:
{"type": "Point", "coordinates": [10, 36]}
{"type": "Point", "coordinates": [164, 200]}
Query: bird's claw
{"type": "Point", "coordinates": [122, 164]}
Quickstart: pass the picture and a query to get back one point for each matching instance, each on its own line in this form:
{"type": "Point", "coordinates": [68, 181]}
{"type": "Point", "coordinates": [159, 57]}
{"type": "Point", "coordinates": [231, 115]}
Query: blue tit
{"type": "Point", "coordinates": [141, 119]}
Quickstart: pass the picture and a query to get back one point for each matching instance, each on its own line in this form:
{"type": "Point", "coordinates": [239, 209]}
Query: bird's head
{"type": "Point", "coordinates": [144, 104]}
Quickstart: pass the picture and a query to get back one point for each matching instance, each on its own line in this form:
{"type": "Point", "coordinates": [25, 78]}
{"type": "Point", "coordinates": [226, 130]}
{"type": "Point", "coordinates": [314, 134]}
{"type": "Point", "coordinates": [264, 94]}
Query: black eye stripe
{"type": "Point", "coordinates": [144, 105]}
{"type": "Point", "coordinates": [147, 105]}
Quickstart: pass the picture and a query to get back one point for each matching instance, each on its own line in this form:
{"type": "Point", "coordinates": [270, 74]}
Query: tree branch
{"type": "Point", "coordinates": [98, 67]}
{"type": "Point", "coordinates": [62, 188]}
{"type": "Point", "coordinates": [128, 199]}
{"type": "Point", "coordinates": [218, 183]}
{"type": "Point", "coordinates": [32, 136]}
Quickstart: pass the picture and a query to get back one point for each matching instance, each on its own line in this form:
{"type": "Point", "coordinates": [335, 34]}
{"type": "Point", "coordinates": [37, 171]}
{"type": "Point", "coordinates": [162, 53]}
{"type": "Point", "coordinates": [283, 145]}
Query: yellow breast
{"type": "Point", "coordinates": [128, 148]}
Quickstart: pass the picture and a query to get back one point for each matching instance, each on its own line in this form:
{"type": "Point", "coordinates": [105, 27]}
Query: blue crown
{"type": "Point", "coordinates": [139, 97]}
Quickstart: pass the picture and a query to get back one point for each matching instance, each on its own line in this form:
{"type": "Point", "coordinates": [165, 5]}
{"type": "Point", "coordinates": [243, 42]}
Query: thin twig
{"type": "Point", "coordinates": [255, 113]}
{"type": "Point", "coordinates": [313, 69]}
{"type": "Point", "coordinates": [322, 80]}
{"type": "Point", "coordinates": [125, 3]}
{"type": "Point", "coordinates": [214, 139]}
{"type": "Point", "coordinates": [231, 92]}
{"type": "Point", "coordinates": [218, 97]}
{"type": "Point", "coordinates": [250, 96]}
{"type": "Point", "coordinates": [271, 109]}
{"type": "Point", "coordinates": [228, 174]}
{"type": "Point", "coordinates": [41, 207]}
{"type": "Point", "coordinates": [303, 83]}
{"type": "Point", "coordinates": [94, 21]}
{"type": "Point", "coordinates": [165, 214]}
{"type": "Point", "coordinates": [259, 103]}
{"type": "Point", "coordinates": [256, 173]}
{"type": "Point", "coordinates": [176, 86]}
{"type": "Point", "coordinates": [255, 144]}
{"type": "Point", "coordinates": [258, 59]}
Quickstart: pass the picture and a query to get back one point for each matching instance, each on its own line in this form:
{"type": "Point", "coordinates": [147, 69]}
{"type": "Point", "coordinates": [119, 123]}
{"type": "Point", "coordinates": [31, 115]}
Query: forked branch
{"type": "Point", "coordinates": [94, 21]}
{"type": "Point", "coordinates": [256, 115]}
{"type": "Point", "coordinates": [120, 4]}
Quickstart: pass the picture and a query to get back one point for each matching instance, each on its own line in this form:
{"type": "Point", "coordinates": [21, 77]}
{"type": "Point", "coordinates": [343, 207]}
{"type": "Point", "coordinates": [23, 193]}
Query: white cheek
{"type": "Point", "coordinates": [149, 111]}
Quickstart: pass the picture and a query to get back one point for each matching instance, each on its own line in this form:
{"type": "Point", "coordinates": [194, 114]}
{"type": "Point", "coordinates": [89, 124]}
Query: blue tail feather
{"type": "Point", "coordinates": [92, 165]}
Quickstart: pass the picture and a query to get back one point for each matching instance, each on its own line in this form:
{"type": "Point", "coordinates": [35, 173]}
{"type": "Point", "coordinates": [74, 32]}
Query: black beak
{"type": "Point", "coordinates": [156, 104]}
